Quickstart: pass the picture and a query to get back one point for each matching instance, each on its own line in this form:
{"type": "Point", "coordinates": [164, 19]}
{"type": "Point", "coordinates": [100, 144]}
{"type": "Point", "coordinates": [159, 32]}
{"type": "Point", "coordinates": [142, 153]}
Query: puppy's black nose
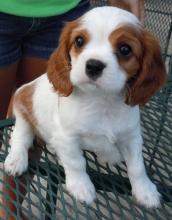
{"type": "Point", "coordinates": [94, 68]}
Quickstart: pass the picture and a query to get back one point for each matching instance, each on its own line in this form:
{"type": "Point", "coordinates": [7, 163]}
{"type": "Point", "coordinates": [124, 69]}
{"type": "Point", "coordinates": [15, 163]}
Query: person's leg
{"type": "Point", "coordinates": [7, 84]}
{"type": "Point", "coordinates": [11, 30]}
{"type": "Point", "coordinates": [11, 53]}
{"type": "Point", "coordinates": [30, 68]}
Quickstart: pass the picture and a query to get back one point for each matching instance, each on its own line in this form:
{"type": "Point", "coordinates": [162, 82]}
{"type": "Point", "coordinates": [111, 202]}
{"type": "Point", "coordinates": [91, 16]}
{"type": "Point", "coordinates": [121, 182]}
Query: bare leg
{"type": "Point", "coordinates": [29, 69]}
{"type": "Point", "coordinates": [7, 85]}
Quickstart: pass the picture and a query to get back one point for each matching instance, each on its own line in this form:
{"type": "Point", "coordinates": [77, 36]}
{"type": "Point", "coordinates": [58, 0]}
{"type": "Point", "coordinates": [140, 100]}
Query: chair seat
{"type": "Point", "coordinates": [47, 197]}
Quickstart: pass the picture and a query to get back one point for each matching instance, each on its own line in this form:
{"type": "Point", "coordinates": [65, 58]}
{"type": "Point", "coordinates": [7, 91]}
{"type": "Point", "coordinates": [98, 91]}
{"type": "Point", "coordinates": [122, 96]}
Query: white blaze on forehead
{"type": "Point", "coordinates": [101, 21]}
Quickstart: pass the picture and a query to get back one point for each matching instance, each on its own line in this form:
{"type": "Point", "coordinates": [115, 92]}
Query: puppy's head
{"type": "Point", "coordinates": [108, 49]}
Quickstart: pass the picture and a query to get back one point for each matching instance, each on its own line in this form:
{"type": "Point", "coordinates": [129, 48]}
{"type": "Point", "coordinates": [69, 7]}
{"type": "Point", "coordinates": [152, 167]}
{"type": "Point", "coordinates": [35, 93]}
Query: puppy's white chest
{"type": "Point", "coordinates": [101, 123]}
{"type": "Point", "coordinates": [98, 115]}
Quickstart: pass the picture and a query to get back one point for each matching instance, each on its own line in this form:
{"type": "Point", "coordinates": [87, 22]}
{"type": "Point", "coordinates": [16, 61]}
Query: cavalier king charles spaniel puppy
{"type": "Point", "coordinates": [105, 66]}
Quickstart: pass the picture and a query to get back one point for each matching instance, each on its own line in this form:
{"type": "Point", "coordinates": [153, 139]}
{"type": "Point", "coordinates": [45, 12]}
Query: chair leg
{"type": "Point", "coordinates": [51, 203]}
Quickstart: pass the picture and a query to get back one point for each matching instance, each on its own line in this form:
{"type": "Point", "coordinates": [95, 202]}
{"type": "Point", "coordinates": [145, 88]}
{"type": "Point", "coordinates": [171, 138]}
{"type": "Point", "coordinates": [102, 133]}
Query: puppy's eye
{"type": "Point", "coordinates": [125, 50]}
{"type": "Point", "coordinates": [79, 42]}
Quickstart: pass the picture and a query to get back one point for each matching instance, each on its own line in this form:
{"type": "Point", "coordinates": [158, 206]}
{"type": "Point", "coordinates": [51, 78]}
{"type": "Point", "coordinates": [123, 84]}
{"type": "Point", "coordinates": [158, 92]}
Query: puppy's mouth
{"type": "Point", "coordinates": [89, 85]}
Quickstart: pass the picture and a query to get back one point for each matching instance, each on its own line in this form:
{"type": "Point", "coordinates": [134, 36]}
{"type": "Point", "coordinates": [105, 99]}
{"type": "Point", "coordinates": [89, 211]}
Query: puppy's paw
{"type": "Point", "coordinates": [16, 163]}
{"type": "Point", "coordinates": [147, 195]}
{"type": "Point", "coordinates": [81, 188]}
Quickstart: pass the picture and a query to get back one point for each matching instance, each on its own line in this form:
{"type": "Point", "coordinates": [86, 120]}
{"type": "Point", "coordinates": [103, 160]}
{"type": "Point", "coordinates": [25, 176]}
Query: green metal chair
{"type": "Point", "coordinates": [47, 197]}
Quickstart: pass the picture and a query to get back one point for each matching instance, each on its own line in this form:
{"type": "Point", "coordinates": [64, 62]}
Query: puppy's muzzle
{"type": "Point", "coordinates": [94, 68]}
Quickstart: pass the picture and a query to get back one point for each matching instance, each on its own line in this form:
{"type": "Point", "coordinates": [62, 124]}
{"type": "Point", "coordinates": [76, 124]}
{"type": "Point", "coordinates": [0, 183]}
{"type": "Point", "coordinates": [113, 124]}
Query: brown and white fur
{"type": "Point", "coordinates": [79, 104]}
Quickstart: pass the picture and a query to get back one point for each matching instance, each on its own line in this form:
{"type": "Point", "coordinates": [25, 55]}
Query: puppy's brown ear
{"type": "Point", "coordinates": [59, 64]}
{"type": "Point", "coordinates": [151, 75]}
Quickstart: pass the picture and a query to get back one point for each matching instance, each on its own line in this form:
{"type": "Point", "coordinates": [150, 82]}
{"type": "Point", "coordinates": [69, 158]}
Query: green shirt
{"type": "Point", "coordinates": [37, 8]}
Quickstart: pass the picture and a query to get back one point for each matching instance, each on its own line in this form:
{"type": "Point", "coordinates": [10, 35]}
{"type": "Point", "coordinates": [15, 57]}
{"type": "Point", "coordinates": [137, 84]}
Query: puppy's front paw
{"type": "Point", "coordinates": [147, 195]}
{"type": "Point", "coordinates": [16, 163]}
{"type": "Point", "coordinates": [81, 188]}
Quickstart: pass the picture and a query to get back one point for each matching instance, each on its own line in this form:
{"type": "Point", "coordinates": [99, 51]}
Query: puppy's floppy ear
{"type": "Point", "coordinates": [151, 75]}
{"type": "Point", "coordinates": [59, 64]}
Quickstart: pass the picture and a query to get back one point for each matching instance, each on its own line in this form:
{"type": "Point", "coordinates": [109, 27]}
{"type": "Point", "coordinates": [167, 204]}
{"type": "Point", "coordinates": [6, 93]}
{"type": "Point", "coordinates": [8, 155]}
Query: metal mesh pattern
{"type": "Point", "coordinates": [158, 19]}
{"type": "Point", "coordinates": [47, 197]}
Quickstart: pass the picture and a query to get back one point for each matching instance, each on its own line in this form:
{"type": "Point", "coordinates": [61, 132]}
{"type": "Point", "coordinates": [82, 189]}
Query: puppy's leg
{"type": "Point", "coordinates": [78, 182]}
{"type": "Point", "coordinates": [21, 140]}
{"type": "Point", "coordinates": [142, 187]}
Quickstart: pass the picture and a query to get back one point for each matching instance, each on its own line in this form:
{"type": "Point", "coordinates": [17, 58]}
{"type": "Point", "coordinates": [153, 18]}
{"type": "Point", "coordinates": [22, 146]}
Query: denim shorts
{"type": "Point", "coordinates": [32, 36]}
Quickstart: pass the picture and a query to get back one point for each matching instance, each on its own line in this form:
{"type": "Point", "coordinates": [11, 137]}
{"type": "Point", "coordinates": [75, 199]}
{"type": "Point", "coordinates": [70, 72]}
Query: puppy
{"type": "Point", "coordinates": [106, 65]}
